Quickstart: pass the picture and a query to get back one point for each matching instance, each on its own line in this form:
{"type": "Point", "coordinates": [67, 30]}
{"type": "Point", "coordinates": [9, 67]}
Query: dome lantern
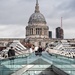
{"type": "Point", "coordinates": [37, 17]}
{"type": "Point", "coordinates": [37, 7]}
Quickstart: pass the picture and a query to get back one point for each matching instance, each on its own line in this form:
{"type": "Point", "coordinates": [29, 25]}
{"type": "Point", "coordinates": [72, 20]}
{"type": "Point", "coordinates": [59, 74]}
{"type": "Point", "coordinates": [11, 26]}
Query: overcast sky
{"type": "Point", "coordinates": [14, 16]}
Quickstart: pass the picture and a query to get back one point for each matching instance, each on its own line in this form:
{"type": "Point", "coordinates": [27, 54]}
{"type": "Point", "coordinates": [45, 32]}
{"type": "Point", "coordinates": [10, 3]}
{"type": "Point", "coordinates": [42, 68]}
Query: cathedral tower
{"type": "Point", "coordinates": [37, 28]}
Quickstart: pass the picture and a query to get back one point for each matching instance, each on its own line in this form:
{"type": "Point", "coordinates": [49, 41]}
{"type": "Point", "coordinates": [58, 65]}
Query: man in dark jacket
{"type": "Point", "coordinates": [40, 50]}
{"type": "Point", "coordinates": [11, 52]}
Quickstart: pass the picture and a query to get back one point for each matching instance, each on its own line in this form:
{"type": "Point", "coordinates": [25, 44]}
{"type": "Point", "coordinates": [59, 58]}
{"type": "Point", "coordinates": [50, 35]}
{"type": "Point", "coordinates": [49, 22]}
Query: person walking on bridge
{"type": "Point", "coordinates": [40, 50]}
{"type": "Point", "coordinates": [11, 52]}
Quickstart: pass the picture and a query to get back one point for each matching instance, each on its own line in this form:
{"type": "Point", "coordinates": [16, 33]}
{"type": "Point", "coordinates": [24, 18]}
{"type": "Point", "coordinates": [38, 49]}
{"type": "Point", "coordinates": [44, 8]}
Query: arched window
{"type": "Point", "coordinates": [38, 31]}
{"type": "Point", "coordinates": [31, 31]}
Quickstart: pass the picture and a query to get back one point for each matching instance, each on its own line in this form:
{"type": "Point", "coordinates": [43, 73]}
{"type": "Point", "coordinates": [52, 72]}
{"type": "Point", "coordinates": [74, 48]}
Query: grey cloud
{"type": "Point", "coordinates": [72, 5]}
{"type": "Point", "coordinates": [67, 8]}
{"type": "Point", "coordinates": [17, 13]}
{"type": "Point", "coordinates": [14, 12]}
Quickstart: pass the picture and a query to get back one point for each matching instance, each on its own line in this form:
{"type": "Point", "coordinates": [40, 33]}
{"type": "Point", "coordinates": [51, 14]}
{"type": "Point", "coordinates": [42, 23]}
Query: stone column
{"type": "Point", "coordinates": [28, 31]}
{"type": "Point", "coordinates": [42, 31]}
{"type": "Point", "coordinates": [34, 31]}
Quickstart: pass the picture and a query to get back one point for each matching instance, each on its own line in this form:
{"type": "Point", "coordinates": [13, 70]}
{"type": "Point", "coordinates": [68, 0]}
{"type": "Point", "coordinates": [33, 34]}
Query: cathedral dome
{"type": "Point", "coordinates": [37, 17]}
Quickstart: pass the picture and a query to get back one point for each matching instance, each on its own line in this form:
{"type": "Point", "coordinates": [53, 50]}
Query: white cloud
{"type": "Point", "coordinates": [69, 33]}
{"type": "Point", "coordinates": [12, 31]}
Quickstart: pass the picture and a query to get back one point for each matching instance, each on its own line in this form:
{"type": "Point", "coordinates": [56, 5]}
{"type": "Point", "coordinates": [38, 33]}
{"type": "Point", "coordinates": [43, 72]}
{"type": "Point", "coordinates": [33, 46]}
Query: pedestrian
{"type": "Point", "coordinates": [32, 49]}
{"type": "Point", "coordinates": [11, 52]}
{"type": "Point", "coordinates": [40, 51]}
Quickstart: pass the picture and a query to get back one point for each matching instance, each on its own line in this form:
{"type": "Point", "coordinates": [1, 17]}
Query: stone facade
{"type": "Point", "coordinates": [37, 30]}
